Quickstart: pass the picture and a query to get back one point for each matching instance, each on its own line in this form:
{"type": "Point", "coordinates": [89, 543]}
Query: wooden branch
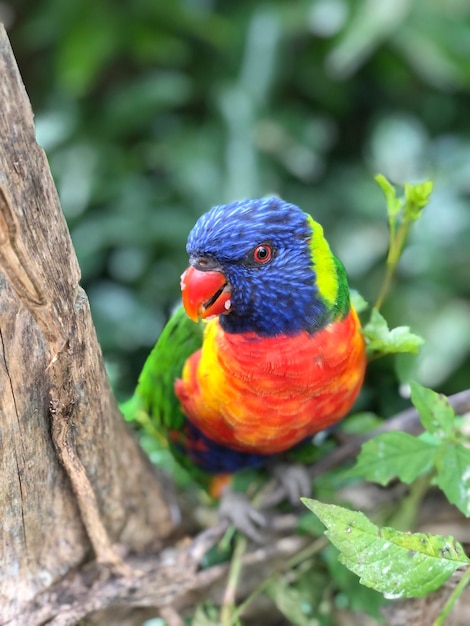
{"type": "Point", "coordinates": [152, 581]}
{"type": "Point", "coordinates": [170, 581]}
{"type": "Point", "coordinates": [57, 411]}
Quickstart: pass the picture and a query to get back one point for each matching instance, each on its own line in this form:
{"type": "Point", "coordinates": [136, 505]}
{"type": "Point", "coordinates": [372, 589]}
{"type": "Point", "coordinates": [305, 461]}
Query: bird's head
{"type": "Point", "coordinates": [263, 266]}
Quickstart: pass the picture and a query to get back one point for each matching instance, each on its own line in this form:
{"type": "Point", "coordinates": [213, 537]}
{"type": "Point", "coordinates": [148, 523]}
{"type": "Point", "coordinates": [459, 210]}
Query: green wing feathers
{"type": "Point", "coordinates": [154, 404]}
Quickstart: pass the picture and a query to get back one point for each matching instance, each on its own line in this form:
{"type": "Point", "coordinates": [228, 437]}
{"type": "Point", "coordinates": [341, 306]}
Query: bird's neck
{"type": "Point", "coordinates": [280, 318]}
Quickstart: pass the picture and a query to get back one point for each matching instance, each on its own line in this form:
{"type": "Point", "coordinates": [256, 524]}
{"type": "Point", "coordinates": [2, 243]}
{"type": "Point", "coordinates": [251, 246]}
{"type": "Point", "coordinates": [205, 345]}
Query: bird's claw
{"type": "Point", "coordinates": [236, 508]}
{"type": "Point", "coordinates": [293, 483]}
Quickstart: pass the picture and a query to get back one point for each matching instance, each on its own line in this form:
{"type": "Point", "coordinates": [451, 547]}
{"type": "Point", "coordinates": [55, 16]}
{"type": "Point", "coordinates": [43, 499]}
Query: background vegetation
{"type": "Point", "coordinates": [153, 111]}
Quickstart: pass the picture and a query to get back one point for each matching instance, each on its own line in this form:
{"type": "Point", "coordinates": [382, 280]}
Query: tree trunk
{"type": "Point", "coordinates": [74, 482]}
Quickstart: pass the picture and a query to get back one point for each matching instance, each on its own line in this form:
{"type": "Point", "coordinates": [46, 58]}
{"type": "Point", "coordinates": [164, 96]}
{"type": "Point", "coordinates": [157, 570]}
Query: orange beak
{"type": "Point", "coordinates": [205, 293]}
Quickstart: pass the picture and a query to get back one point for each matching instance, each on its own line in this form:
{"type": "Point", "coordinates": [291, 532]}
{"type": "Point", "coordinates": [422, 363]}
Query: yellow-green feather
{"type": "Point", "coordinates": [331, 279]}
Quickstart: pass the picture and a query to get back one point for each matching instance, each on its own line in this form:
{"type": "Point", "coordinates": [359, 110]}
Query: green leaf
{"type": "Point", "coordinates": [352, 594]}
{"type": "Point", "coordinates": [358, 302]}
{"type": "Point", "coordinates": [247, 480]}
{"type": "Point", "coordinates": [398, 564]}
{"type": "Point", "coordinates": [369, 25]}
{"type": "Point", "coordinates": [394, 204]}
{"type": "Point", "coordinates": [288, 600]}
{"type": "Point", "coordinates": [453, 475]}
{"type": "Point", "coordinates": [437, 416]}
{"type": "Point", "coordinates": [361, 423]}
{"type": "Point", "coordinates": [394, 455]}
{"type": "Point", "coordinates": [380, 339]}
{"type": "Point", "coordinates": [307, 524]}
{"type": "Point", "coordinates": [78, 65]}
{"type": "Point", "coordinates": [417, 197]}
{"type": "Point", "coordinates": [206, 615]}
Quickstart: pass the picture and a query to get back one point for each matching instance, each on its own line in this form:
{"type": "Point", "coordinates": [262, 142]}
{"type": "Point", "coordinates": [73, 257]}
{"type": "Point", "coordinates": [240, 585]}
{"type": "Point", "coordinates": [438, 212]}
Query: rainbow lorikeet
{"type": "Point", "coordinates": [278, 355]}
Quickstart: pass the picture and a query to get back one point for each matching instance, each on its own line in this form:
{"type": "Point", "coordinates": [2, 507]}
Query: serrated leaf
{"type": "Point", "coordinates": [453, 475]}
{"type": "Point", "coordinates": [380, 339]}
{"type": "Point", "coordinates": [394, 455]}
{"type": "Point", "coordinates": [437, 416]}
{"type": "Point", "coordinates": [398, 564]}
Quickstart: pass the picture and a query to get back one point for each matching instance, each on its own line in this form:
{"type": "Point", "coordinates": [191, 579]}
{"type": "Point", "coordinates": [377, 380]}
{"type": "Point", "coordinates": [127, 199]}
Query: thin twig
{"type": "Point", "coordinates": [397, 241]}
{"type": "Point", "coordinates": [455, 595]}
{"type": "Point", "coordinates": [236, 565]}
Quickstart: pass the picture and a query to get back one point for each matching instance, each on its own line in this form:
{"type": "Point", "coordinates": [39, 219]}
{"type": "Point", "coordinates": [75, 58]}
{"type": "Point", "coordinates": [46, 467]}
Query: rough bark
{"type": "Point", "coordinates": [73, 480]}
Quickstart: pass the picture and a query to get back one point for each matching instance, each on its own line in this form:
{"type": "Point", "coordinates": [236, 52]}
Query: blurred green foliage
{"type": "Point", "coordinates": [153, 111]}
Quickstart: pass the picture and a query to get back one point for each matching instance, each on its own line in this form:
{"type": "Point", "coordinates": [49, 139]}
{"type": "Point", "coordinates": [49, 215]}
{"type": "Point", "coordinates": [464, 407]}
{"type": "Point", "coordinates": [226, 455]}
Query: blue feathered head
{"type": "Point", "coordinates": [254, 264]}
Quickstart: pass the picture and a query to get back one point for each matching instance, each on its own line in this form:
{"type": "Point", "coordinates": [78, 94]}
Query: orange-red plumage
{"type": "Point", "coordinates": [266, 394]}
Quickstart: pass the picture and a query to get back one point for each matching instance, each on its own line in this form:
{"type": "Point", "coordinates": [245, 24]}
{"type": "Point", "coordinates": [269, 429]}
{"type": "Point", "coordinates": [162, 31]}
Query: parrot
{"type": "Point", "coordinates": [266, 350]}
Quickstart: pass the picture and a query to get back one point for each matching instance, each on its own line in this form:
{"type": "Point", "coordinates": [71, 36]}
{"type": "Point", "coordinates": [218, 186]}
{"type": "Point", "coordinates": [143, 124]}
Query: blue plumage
{"type": "Point", "coordinates": [279, 297]}
{"type": "Point", "coordinates": [213, 457]}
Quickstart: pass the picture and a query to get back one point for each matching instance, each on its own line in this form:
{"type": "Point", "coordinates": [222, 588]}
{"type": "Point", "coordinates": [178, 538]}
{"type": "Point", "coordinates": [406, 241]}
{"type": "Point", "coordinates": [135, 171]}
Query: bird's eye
{"type": "Point", "coordinates": [262, 253]}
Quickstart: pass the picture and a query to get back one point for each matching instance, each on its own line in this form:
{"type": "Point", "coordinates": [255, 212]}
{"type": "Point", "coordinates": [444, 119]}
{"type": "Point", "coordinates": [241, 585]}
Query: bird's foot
{"type": "Point", "coordinates": [236, 508]}
{"type": "Point", "coordinates": [293, 483]}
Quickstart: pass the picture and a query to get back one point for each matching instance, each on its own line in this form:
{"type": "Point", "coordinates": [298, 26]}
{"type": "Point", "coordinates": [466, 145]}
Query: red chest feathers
{"type": "Point", "coordinates": [265, 395]}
